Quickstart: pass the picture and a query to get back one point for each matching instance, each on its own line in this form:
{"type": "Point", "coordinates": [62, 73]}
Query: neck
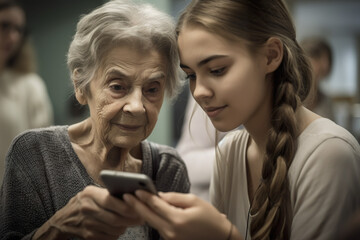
{"type": "Point", "coordinates": [258, 128]}
{"type": "Point", "coordinates": [84, 136]}
{"type": "Point", "coordinates": [304, 118]}
{"type": "Point", "coordinates": [259, 137]}
{"type": "Point", "coordinates": [96, 155]}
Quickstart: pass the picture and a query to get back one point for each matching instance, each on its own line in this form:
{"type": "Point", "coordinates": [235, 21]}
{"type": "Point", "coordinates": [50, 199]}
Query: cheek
{"type": "Point", "coordinates": [246, 90]}
{"type": "Point", "coordinates": [108, 111]}
{"type": "Point", "coordinates": [152, 117]}
{"type": "Point", "coordinates": [192, 87]}
{"type": "Point", "coordinates": [105, 108]}
{"type": "Point", "coordinates": [103, 111]}
{"type": "Point", "coordinates": [239, 88]}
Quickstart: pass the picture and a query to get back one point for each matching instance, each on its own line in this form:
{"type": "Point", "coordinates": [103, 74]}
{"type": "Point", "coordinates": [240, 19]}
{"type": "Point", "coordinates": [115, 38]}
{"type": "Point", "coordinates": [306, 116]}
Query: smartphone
{"type": "Point", "coordinates": [118, 182]}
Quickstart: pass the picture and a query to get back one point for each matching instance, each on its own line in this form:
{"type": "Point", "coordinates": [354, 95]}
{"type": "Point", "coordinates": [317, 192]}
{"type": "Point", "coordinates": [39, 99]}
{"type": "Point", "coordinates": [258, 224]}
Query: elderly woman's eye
{"type": "Point", "coordinates": [117, 87]}
{"type": "Point", "coordinates": [153, 90]}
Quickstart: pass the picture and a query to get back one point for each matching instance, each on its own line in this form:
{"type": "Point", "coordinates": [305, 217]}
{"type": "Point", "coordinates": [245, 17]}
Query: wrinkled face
{"type": "Point", "coordinates": [226, 80]}
{"type": "Point", "coordinates": [126, 95]}
{"type": "Point", "coordinates": [12, 23]}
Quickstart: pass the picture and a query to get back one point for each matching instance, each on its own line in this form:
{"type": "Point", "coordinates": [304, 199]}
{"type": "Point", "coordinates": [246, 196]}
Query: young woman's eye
{"type": "Point", "coordinates": [190, 77]}
{"type": "Point", "coordinates": [218, 71]}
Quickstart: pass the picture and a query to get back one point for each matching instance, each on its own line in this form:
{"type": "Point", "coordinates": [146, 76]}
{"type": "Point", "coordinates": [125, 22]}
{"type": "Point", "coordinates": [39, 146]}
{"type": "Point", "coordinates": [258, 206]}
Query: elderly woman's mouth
{"type": "Point", "coordinates": [128, 127]}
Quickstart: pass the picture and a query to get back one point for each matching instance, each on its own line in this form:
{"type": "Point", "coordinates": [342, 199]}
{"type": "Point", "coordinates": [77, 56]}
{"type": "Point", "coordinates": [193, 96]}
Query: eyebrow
{"type": "Point", "coordinates": [204, 61]}
{"type": "Point", "coordinates": [116, 72]}
{"type": "Point", "coordinates": [152, 77]}
{"type": "Point", "coordinates": [155, 76]}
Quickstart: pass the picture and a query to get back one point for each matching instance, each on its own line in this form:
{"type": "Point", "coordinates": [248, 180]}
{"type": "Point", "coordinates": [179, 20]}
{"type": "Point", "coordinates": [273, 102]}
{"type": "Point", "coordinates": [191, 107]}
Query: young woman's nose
{"type": "Point", "coordinates": [135, 104]}
{"type": "Point", "coordinates": [200, 90]}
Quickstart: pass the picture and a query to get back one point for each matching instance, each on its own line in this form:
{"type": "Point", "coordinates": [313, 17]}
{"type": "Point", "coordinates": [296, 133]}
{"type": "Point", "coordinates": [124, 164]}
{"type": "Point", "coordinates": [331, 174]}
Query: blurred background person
{"type": "Point", "coordinates": [24, 100]}
{"type": "Point", "coordinates": [321, 58]}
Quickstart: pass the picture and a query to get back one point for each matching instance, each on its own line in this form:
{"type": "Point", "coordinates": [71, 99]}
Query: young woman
{"type": "Point", "coordinates": [290, 174]}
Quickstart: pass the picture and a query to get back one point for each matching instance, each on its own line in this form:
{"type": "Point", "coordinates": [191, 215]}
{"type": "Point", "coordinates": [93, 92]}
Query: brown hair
{"type": "Point", "coordinates": [256, 22]}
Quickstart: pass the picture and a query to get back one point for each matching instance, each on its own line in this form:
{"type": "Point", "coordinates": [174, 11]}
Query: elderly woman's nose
{"type": "Point", "coordinates": [135, 104]}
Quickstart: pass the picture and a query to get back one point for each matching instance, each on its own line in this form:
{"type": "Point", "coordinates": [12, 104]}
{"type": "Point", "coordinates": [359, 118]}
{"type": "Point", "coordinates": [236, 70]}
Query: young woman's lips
{"type": "Point", "coordinates": [214, 111]}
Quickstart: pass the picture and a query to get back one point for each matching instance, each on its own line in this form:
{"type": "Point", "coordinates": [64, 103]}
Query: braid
{"type": "Point", "coordinates": [270, 203]}
{"type": "Point", "coordinates": [271, 206]}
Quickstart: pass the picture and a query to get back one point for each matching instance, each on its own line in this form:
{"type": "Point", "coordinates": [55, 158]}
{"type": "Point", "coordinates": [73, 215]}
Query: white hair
{"type": "Point", "coordinates": [122, 22]}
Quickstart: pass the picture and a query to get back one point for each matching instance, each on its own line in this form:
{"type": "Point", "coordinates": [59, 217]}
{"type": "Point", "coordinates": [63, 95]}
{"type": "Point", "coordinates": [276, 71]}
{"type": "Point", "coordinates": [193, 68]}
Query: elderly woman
{"type": "Point", "coordinates": [122, 60]}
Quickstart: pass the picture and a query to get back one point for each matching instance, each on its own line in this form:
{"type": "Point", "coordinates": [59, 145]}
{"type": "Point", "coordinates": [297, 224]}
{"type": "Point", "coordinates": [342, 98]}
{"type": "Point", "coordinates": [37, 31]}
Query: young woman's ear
{"type": "Point", "coordinates": [80, 97]}
{"type": "Point", "coordinates": [274, 53]}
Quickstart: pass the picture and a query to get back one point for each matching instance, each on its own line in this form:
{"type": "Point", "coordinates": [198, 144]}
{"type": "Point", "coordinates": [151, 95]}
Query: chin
{"type": "Point", "coordinates": [223, 127]}
{"type": "Point", "coordinates": [126, 142]}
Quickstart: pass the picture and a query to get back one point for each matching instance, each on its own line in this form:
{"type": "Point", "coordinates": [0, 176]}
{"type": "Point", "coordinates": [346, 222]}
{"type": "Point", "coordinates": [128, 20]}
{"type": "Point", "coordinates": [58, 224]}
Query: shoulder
{"type": "Point", "coordinates": [31, 77]}
{"type": "Point", "coordinates": [168, 155]}
{"type": "Point", "coordinates": [325, 149]}
{"type": "Point", "coordinates": [234, 137]}
{"type": "Point", "coordinates": [234, 140]}
{"type": "Point", "coordinates": [26, 79]}
{"type": "Point", "coordinates": [40, 137]}
{"type": "Point", "coordinates": [336, 155]}
{"type": "Point", "coordinates": [36, 147]}
{"type": "Point", "coordinates": [325, 134]}
{"type": "Point", "coordinates": [172, 172]}
{"type": "Point", "coordinates": [33, 81]}
{"type": "Point", "coordinates": [30, 84]}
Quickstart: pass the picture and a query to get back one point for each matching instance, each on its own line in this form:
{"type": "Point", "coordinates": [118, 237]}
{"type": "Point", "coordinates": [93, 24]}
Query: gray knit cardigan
{"type": "Point", "coordinates": [43, 173]}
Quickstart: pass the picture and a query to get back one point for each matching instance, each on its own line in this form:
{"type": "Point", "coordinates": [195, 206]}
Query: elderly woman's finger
{"type": "Point", "coordinates": [104, 200]}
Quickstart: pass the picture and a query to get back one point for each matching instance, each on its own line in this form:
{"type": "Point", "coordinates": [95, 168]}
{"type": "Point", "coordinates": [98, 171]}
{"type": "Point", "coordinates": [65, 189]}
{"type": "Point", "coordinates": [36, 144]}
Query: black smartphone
{"type": "Point", "coordinates": [118, 182]}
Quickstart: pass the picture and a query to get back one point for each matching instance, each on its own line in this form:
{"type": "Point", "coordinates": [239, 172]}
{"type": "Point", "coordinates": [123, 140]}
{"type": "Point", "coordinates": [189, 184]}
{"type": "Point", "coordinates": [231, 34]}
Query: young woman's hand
{"type": "Point", "coordinates": [91, 214]}
{"type": "Point", "coordinates": [181, 216]}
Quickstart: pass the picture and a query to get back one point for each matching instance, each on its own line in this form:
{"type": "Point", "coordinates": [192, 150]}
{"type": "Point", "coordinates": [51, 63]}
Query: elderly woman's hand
{"type": "Point", "coordinates": [92, 214]}
{"type": "Point", "coordinates": [182, 216]}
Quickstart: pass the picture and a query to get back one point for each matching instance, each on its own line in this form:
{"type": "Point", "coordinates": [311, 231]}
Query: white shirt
{"type": "Point", "coordinates": [324, 180]}
{"type": "Point", "coordinates": [24, 104]}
